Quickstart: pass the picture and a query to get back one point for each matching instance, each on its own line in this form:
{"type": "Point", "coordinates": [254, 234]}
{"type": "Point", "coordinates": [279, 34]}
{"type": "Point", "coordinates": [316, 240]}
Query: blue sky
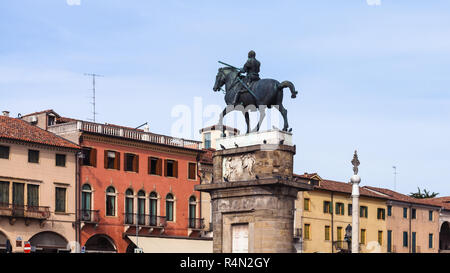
{"type": "Point", "coordinates": [371, 77]}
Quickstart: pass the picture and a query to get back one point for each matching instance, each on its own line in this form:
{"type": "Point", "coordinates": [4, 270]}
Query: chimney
{"type": "Point", "coordinates": [6, 113]}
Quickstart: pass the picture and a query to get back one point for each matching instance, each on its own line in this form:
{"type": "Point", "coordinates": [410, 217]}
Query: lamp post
{"type": "Point", "coordinates": [355, 179]}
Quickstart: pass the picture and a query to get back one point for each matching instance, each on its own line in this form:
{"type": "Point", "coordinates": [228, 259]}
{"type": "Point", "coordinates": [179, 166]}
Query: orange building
{"type": "Point", "coordinates": [134, 182]}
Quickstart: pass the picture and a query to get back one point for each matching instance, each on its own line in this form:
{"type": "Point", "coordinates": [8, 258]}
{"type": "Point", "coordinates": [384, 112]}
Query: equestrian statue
{"type": "Point", "coordinates": [250, 93]}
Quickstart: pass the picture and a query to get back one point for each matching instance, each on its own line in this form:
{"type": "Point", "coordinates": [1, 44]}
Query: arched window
{"type": "Point", "coordinates": [86, 203]}
{"type": "Point", "coordinates": [129, 208]}
{"type": "Point", "coordinates": [110, 201]}
{"type": "Point", "coordinates": [169, 207]}
{"type": "Point", "coordinates": [192, 211]}
{"type": "Point", "coordinates": [141, 207]}
{"type": "Point", "coordinates": [153, 211]}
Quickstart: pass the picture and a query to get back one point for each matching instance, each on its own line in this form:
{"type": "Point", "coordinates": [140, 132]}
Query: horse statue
{"type": "Point", "coordinates": [259, 95]}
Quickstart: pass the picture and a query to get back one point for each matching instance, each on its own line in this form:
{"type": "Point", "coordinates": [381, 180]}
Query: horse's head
{"type": "Point", "coordinates": [221, 78]}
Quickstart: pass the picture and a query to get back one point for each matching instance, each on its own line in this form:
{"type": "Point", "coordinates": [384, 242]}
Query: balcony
{"type": "Point", "coordinates": [124, 132]}
{"type": "Point", "coordinates": [90, 216]}
{"type": "Point", "coordinates": [144, 220]}
{"type": "Point", "coordinates": [196, 223]}
{"type": "Point", "coordinates": [22, 211]}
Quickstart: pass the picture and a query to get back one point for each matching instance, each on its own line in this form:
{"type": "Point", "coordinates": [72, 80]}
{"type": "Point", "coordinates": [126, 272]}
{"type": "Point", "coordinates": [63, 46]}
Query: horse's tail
{"type": "Point", "coordinates": [291, 87]}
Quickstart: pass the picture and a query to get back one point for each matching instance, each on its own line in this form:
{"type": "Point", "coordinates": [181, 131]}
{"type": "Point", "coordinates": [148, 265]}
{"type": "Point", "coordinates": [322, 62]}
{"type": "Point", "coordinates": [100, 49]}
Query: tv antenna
{"type": "Point", "coordinates": [395, 177]}
{"type": "Point", "coordinates": [93, 75]}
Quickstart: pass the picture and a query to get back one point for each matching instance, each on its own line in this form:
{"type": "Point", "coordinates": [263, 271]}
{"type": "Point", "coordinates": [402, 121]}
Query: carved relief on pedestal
{"type": "Point", "coordinates": [239, 168]}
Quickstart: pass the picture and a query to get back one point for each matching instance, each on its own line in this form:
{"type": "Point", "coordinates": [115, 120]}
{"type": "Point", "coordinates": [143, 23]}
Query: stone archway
{"type": "Point", "coordinates": [100, 243]}
{"type": "Point", "coordinates": [444, 237]}
{"type": "Point", "coordinates": [49, 242]}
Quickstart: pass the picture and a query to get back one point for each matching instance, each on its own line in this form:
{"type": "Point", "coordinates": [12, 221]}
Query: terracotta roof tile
{"type": "Point", "coordinates": [17, 129]}
{"type": "Point", "coordinates": [392, 195]}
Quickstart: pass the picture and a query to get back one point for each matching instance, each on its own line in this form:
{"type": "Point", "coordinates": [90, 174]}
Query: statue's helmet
{"type": "Point", "coordinates": [251, 54]}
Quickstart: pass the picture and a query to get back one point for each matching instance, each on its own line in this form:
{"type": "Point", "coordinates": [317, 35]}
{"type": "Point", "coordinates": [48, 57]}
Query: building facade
{"type": "Point", "coordinates": [37, 188]}
{"type": "Point", "coordinates": [412, 224]}
{"type": "Point", "coordinates": [323, 215]}
{"type": "Point", "coordinates": [136, 187]}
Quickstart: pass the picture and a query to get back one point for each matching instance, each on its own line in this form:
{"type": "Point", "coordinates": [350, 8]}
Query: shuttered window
{"type": "Point", "coordinates": [171, 168]}
{"type": "Point", "coordinates": [131, 163]}
{"type": "Point", "coordinates": [4, 193]}
{"type": "Point", "coordinates": [60, 160]}
{"type": "Point", "coordinates": [33, 156]}
{"type": "Point", "coordinates": [90, 157]}
{"type": "Point", "coordinates": [112, 160]}
{"type": "Point", "coordinates": [4, 152]}
{"type": "Point", "coordinates": [192, 169]}
{"type": "Point", "coordinates": [60, 200]}
{"type": "Point", "coordinates": [155, 166]}
{"type": "Point", "coordinates": [32, 195]}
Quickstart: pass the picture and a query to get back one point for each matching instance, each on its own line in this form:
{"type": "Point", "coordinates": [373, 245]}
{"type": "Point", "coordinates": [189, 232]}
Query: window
{"type": "Point", "coordinates": [86, 197]}
{"type": "Point", "coordinates": [207, 140]}
{"type": "Point", "coordinates": [171, 168]}
{"type": "Point", "coordinates": [129, 208]}
{"type": "Point", "coordinates": [327, 233]}
{"type": "Point", "coordinates": [192, 170]}
{"type": "Point", "coordinates": [155, 166]}
{"type": "Point", "coordinates": [413, 213]}
{"type": "Point", "coordinates": [405, 239]}
{"type": "Point", "coordinates": [327, 207]}
{"type": "Point", "coordinates": [363, 212]}
{"type": "Point", "coordinates": [141, 207]}
{"type": "Point", "coordinates": [32, 195]}
{"type": "Point", "coordinates": [51, 120]}
{"type": "Point", "coordinates": [4, 152]}
{"type": "Point", "coordinates": [363, 236]}
{"type": "Point", "coordinates": [112, 160]}
{"type": "Point", "coordinates": [340, 208]}
{"type": "Point", "coordinates": [60, 200]}
{"type": "Point", "coordinates": [307, 204]}
{"type": "Point", "coordinates": [18, 200]}
{"type": "Point", "coordinates": [339, 236]}
{"type": "Point", "coordinates": [131, 163]}
{"type": "Point", "coordinates": [169, 207]}
{"type": "Point", "coordinates": [89, 157]}
{"type": "Point", "coordinates": [380, 237]}
{"type": "Point", "coordinates": [430, 240]}
{"type": "Point", "coordinates": [307, 231]}
{"type": "Point", "coordinates": [33, 156]}
{"type": "Point", "coordinates": [389, 210]}
{"type": "Point", "coordinates": [153, 208]}
{"type": "Point", "coordinates": [4, 193]}
{"type": "Point", "coordinates": [389, 241]}
{"type": "Point", "coordinates": [192, 211]}
{"type": "Point", "coordinates": [110, 201]}
{"type": "Point", "coordinates": [350, 209]}
{"type": "Point", "coordinates": [430, 215]}
{"type": "Point", "coordinates": [381, 214]}
{"type": "Point", "coordinates": [405, 212]}
{"type": "Point", "coordinates": [60, 160]}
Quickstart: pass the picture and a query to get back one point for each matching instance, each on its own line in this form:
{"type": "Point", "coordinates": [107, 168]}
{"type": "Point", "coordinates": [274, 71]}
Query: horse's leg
{"type": "Point", "coordinates": [283, 112]}
{"type": "Point", "coordinates": [222, 115]}
{"type": "Point", "coordinates": [262, 115]}
{"type": "Point", "coordinates": [247, 121]}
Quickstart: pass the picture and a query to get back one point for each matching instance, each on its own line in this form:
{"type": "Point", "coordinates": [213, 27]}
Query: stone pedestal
{"type": "Point", "coordinates": [253, 188]}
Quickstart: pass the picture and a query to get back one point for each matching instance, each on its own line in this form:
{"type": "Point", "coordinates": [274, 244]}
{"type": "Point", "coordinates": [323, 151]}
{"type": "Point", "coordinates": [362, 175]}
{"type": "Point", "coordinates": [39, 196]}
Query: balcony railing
{"type": "Point", "coordinates": [144, 220]}
{"type": "Point", "coordinates": [34, 212]}
{"type": "Point", "coordinates": [90, 216]}
{"type": "Point", "coordinates": [119, 131]}
{"type": "Point", "coordinates": [196, 223]}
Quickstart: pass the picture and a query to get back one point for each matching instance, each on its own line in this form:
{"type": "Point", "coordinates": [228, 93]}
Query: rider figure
{"type": "Point", "coordinates": [251, 67]}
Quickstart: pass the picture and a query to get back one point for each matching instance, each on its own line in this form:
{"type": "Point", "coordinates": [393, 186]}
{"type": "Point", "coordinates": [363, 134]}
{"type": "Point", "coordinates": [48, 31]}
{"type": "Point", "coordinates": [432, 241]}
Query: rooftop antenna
{"type": "Point", "coordinates": [395, 177]}
{"type": "Point", "coordinates": [93, 75]}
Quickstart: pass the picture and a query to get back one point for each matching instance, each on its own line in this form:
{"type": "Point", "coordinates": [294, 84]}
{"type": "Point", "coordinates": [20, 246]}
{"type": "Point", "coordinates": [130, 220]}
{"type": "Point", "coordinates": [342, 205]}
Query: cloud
{"type": "Point", "coordinates": [73, 2]}
{"type": "Point", "coordinates": [373, 2]}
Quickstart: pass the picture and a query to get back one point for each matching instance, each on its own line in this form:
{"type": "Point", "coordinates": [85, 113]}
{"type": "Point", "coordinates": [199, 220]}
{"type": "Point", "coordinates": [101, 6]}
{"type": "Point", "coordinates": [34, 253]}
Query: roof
{"type": "Point", "coordinates": [444, 201]}
{"type": "Point", "coordinates": [395, 196]}
{"type": "Point", "coordinates": [17, 129]}
{"type": "Point", "coordinates": [336, 186]}
{"type": "Point", "coordinates": [41, 112]}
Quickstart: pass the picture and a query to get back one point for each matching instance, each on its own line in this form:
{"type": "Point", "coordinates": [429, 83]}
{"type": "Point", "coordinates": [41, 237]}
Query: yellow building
{"type": "Point", "coordinates": [323, 214]}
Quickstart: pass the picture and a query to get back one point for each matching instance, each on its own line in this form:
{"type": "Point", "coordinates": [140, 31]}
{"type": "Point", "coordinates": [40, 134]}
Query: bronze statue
{"type": "Point", "coordinates": [252, 93]}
